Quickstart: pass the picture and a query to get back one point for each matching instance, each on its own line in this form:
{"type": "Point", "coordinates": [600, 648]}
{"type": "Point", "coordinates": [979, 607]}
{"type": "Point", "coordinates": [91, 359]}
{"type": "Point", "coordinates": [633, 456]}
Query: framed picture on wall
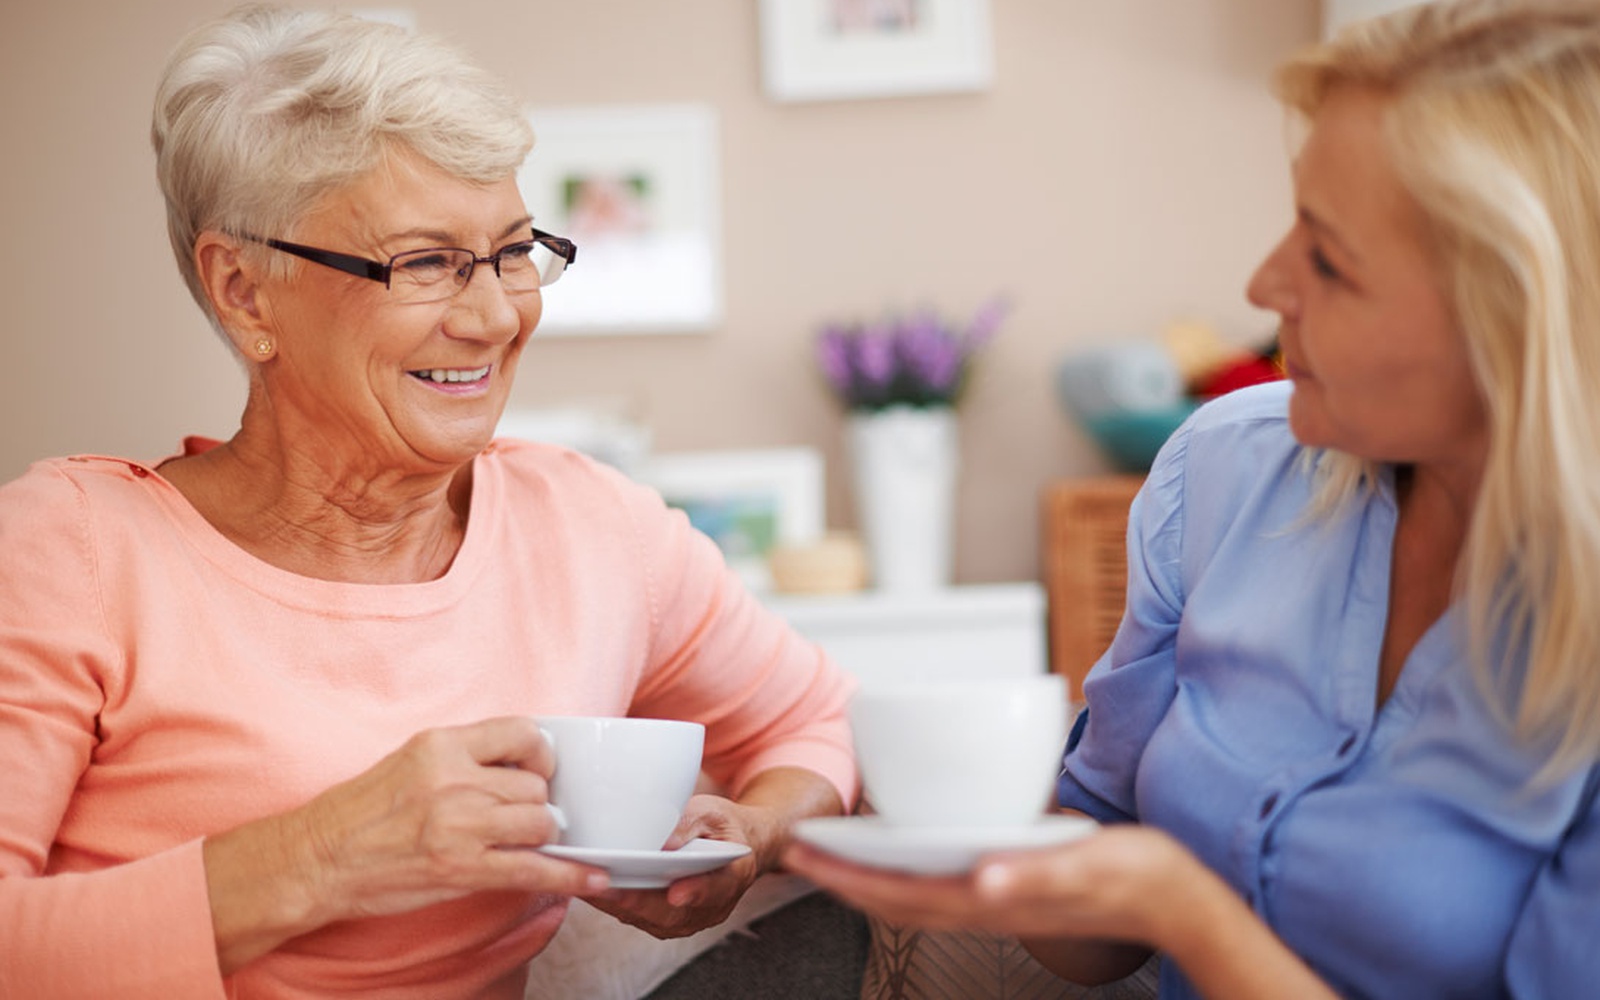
{"type": "Point", "coordinates": [746, 501]}
{"type": "Point", "coordinates": [637, 189]}
{"type": "Point", "coordinates": [833, 49]}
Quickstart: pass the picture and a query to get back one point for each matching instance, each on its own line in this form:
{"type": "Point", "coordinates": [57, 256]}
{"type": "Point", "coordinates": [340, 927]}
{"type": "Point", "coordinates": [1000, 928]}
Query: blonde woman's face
{"type": "Point", "coordinates": [1380, 370]}
{"type": "Point", "coordinates": [367, 380]}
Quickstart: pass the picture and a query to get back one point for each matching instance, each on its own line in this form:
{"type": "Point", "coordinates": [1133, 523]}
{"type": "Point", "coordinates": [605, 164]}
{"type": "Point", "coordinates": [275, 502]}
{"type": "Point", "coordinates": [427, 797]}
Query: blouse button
{"type": "Point", "coordinates": [1267, 806]}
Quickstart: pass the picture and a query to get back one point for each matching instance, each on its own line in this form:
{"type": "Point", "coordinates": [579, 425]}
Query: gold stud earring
{"type": "Point", "coordinates": [264, 347]}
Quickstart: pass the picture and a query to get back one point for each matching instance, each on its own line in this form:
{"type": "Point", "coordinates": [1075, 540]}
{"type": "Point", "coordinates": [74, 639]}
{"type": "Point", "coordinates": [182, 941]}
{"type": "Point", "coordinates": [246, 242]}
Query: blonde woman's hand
{"type": "Point", "coordinates": [1079, 906]}
{"type": "Point", "coordinates": [1115, 884]}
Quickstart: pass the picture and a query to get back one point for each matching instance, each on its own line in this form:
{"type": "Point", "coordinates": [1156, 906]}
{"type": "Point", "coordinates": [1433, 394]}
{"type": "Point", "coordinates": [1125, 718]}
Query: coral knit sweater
{"type": "Point", "coordinates": [158, 684]}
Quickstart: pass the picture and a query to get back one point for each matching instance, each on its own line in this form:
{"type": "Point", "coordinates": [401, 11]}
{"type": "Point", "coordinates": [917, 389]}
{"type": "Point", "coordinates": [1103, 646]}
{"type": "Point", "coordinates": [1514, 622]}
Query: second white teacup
{"type": "Point", "coordinates": [621, 784]}
{"type": "Point", "coordinates": [958, 753]}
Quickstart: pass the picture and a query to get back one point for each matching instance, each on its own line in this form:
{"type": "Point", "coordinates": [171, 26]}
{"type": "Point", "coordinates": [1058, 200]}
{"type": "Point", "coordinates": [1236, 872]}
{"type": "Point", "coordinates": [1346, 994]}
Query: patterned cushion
{"type": "Point", "coordinates": [908, 964]}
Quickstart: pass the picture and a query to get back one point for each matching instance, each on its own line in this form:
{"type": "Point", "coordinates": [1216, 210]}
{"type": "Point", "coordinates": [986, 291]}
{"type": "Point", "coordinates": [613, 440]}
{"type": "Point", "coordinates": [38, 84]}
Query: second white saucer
{"type": "Point", "coordinates": [868, 840]}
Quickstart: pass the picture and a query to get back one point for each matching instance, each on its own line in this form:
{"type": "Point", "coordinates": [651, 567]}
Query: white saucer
{"type": "Point", "coordinates": [653, 869]}
{"type": "Point", "coordinates": [869, 840]}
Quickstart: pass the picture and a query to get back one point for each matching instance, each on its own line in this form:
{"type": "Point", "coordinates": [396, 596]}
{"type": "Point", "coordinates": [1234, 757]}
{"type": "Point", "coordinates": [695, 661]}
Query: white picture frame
{"type": "Point", "coordinates": [814, 50]}
{"type": "Point", "coordinates": [401, 17]}
{"type": "Point", "coordinates": [1338, 13]}
{"type": "Point", "coordinates": [637, 188]}
{"type": "Point", "coordinates": [746, 501]}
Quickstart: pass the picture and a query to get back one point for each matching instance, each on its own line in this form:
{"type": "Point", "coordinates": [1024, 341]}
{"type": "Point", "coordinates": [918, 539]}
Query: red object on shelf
{"type": "Point", "coordinates": [1247, 371]}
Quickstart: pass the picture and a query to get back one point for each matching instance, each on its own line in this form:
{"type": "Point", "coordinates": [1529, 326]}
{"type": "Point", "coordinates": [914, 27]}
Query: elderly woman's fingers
{"type": "Point", "coordinates": [510, 739]}
{"type": "Point", "coordinates": [531, 871]}
{"type": "Point", "coordinates": [452, 811]}
{"type": "Point", "coordinates": [684, 907]}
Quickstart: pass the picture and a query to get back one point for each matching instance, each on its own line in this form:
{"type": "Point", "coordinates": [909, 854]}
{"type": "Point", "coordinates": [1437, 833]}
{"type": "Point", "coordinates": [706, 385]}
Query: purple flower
{"type": "Point", "coordinates": [930, 357]}
{"type": "Point", "coordinates": [875, 360]}
{"type": "Point", "coordinates": [918, 360]}
{"type": "Point", "coordinates": [987, 322]}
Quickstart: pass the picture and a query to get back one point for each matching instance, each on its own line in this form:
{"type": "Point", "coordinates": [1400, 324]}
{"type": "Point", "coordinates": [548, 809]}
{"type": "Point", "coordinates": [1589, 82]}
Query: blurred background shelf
{"type": "Point", "coordinates": [982, 630]}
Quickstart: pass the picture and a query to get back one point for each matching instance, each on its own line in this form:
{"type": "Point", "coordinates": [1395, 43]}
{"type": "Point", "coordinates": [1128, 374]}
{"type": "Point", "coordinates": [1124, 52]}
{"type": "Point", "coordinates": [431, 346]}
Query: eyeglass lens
{"type": "Point", "coordinates": [423, 275]}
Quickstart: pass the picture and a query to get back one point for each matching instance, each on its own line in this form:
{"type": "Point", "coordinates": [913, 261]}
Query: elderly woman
{"type": "Point", "coordinates": [1355, 702]}
{"type": "Point", "coordinates": [265, 704]}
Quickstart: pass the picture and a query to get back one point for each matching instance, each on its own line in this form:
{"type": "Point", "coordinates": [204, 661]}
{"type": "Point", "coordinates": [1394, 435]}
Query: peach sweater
{"type": "Point", "coordinates": [158, 684]}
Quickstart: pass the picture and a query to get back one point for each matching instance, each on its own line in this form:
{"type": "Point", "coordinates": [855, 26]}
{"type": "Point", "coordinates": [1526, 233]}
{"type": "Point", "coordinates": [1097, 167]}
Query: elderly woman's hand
{"type": "Point", "coordinates": [699, 901]}
{"type": "Point", "coordinates": [762, 818]}
{"type": "Point", "coordinates": [451, 812]}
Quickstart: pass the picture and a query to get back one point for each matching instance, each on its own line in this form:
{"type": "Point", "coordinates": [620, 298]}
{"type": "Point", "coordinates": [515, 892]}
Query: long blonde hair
{"type": "Point", "coordinates": [1492, 122]}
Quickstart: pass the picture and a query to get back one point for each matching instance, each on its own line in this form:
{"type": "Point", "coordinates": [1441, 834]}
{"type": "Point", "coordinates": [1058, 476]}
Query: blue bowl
{"type": "Point", "coordinates": [1131, 438]}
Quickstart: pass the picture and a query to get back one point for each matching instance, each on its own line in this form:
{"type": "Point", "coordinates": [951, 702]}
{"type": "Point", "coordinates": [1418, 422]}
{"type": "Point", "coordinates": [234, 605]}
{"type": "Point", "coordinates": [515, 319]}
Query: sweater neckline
{"type": "Point", "coordinates": [334, 597]}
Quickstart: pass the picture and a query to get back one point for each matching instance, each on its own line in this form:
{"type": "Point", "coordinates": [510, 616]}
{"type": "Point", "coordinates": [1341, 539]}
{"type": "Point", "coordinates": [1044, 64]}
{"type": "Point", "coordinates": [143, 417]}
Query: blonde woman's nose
{"type": "Point", "coordinates": [1272, 285]}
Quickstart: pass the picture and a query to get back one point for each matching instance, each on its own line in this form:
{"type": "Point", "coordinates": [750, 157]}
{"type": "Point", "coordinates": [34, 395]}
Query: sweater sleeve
{"type": "Point", "coordinates": [768, 697]}
{"type": "Point", "coordinates": [134, 930]}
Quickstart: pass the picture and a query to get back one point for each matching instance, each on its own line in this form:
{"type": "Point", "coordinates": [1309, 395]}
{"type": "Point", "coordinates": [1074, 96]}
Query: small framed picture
{"type": "Point", "coordinates": [745, 501]}
{"type": "Point", "coordinates": [832, 49]}
{"type": "Point", "coordinates": [636, 188]}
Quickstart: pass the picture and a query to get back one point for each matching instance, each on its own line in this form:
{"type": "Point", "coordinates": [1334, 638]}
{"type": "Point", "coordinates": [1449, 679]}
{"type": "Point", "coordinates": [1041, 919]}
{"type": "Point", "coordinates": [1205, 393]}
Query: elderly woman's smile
{"type": "Point", "coordinates": [455, 379]}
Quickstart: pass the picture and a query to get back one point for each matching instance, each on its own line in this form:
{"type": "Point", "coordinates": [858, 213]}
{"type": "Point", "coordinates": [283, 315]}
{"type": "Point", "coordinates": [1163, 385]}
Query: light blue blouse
{"type": "Point", "coordinates": [1402, 853]}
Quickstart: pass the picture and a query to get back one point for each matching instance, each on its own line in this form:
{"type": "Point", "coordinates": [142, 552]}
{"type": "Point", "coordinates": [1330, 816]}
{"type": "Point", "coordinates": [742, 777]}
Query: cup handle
{"type": "Point", "coordinates": [559, 817]}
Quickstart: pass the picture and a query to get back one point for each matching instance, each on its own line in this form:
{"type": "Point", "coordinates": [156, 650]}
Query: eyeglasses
{"type": "Point", "coordinates": [437, 273]}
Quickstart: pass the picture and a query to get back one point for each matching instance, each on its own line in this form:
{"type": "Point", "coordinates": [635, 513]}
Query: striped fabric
{"type": "Point", "coordinates": [906, 964]}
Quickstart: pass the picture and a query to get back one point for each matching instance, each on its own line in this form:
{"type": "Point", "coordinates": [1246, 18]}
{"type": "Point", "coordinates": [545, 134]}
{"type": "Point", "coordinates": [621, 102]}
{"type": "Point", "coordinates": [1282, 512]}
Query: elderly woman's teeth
{"type": "Point", "coordinates": [453, 374]}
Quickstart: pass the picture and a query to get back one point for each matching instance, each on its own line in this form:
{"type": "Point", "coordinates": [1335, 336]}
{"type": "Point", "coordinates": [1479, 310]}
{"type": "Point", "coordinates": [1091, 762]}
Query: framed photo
{"type": "Point", "coordinates": [400, 17]}
{"type": "Point", "coordinates": [1338, 13]}
{"type": "Point", "coordinates": [637, 189]}
{"type": "Point", "coordinates": [831, 49]}
{"type": "Point", "coordinates": [745, 501]}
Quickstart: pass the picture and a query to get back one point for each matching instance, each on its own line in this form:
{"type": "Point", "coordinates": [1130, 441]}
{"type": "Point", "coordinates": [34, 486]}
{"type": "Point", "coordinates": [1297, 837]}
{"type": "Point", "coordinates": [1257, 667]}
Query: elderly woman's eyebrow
{"type": "Point", "coordinates": [440, 236]}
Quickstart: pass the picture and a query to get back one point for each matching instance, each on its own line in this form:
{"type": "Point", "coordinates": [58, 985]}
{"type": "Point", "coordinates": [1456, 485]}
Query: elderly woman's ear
{"type": "Point", "coordinates": [232, 283]}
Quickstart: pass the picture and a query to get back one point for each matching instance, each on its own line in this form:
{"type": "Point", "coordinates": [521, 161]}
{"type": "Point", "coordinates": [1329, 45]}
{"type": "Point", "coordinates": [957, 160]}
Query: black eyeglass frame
{"type": "Point", "coordinates": [364, 267]}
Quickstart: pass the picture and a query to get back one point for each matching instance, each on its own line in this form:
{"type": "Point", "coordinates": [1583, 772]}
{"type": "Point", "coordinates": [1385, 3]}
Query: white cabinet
{"type": "Point", "coordinates": [984, 630]}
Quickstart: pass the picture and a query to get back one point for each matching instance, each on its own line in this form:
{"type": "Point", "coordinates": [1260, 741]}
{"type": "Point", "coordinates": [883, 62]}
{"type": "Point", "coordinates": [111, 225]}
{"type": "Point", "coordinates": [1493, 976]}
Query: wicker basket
{"type": "Point", "coordinates": [1084, 562]}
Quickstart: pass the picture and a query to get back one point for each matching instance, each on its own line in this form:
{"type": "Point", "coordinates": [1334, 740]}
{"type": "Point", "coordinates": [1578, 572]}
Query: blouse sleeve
{"type": "Point", "coordinates": [1552, 951]}
{"type": "Point", "coordinates": [768, 697]}
{"type": "Point", "coordinates": [1131, 686]}
{"type": "Point", "coordinates": [133, 931]}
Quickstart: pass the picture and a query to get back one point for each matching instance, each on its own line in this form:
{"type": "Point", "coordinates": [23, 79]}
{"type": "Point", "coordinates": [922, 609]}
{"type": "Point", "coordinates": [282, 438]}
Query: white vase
{"type": "Point", "coordinates": [905, 462]}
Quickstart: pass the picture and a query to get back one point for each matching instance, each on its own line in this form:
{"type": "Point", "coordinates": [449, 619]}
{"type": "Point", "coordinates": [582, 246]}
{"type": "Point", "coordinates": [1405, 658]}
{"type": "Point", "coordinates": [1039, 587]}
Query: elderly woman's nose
{"type": "Point", "coordinates": [485, 310]}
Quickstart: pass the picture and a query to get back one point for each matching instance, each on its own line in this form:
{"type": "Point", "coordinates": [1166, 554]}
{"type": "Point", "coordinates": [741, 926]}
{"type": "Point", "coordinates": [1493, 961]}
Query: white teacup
{"type": "Point", "coordinates": [621, 784]}
{"type": "Point", "coordinates": [960, 753]}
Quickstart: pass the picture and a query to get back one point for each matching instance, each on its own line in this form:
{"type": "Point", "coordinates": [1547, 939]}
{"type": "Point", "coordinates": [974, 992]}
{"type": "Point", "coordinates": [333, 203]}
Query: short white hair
{"type": "Point", "coordinates": [262, 112]}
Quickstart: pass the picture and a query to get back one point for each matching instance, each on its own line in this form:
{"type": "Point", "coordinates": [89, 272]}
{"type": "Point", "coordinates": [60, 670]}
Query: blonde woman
{"type": "Point", "coordinates": [265, 704]}
{"type": "Point", "coordinates": [1346, 740]}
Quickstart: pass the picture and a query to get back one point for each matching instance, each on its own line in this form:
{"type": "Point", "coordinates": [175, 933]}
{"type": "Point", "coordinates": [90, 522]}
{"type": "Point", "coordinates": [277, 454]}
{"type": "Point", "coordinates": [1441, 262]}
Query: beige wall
{"type": "Point", "coordinates": [1125, 170]}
